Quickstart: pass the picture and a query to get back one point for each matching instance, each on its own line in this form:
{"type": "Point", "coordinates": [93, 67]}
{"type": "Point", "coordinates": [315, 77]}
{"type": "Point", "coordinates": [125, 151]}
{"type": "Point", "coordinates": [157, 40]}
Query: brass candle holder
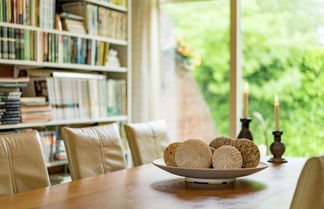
{"type": "Point", "coordinates": [277, 148]}
{"type": "Point", "coordinates": [245, 132]}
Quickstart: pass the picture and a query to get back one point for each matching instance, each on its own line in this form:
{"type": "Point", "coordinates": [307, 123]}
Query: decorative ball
{"type": "Point", "coordinates": [193, 153]}
{"type": "Point", "coordinates": [169, 153]}
{"type": "Point", "coordinates": [220, 141]}
{"type": "Point", "coordinates": [227, 157]}
{"type": "Point", "coordinates": [249, 151]}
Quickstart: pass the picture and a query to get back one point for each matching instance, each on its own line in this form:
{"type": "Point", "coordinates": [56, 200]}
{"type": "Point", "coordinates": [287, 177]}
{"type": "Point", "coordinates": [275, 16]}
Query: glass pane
{"type": "Point", "coordinates": [195, 64]}
{"type": "Point", "coordinates": [283, 54]}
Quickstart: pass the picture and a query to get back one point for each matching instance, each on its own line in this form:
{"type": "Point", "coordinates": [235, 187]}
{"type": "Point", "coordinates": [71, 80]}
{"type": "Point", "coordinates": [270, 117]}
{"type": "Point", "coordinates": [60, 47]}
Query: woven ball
{"type": "Point", "coordinates": [249, 151]}
{"type": "Point", "coordinates": [227, 157]}
{"type": "Point", "coordinates": [220, 141]}
{"type": "Point", "coordinates": [169, 153]}
{"type": "Point", "coordinates": [193, 153]}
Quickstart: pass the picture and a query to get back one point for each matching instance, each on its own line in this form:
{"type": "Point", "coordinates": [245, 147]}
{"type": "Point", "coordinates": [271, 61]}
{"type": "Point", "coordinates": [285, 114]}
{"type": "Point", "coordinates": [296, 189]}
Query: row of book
{"type": "Point", "coordinates": [99, 20]}
{"type": "Point", "coordinates": [28, 12]}
{"type": "Point", "coordinates": [48, 47]}
{"type": "Point", "coordinates": [10, 95]}
{"type": "Point", "coordinates": [80, 95]}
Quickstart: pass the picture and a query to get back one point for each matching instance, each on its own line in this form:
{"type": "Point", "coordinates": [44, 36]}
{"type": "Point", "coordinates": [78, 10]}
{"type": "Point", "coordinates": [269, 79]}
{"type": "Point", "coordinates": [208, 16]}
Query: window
{"type": "Point", "coordinates": [195, 54]}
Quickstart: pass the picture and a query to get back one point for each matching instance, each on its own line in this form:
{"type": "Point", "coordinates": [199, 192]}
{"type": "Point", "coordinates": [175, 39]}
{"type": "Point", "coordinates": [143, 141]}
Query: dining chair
{"type": "Point", "coordinates": [309, 192]}
{"type": "Point", "coordinates": [93, 150]}
{"type": "Point", "coordinates": [22, 164]}
{"type": "Point", "coordinates": [147, 141]}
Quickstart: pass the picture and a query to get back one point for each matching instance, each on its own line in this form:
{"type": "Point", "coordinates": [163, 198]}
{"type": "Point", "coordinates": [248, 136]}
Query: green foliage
{"type": "Point", "coordinates": [281, 55]}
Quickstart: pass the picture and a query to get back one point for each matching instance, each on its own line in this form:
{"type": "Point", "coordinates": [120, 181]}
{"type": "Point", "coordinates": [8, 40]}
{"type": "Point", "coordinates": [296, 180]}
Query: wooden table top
{"type": "Point", "coordinates": [152, 188]}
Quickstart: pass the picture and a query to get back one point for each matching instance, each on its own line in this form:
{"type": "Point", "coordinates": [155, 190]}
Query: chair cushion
{"type": "Point", "coordinates": [93, 150]}
{"type": "Point", "coordinates": [22, 163]}
{"type": "Point", "coordinates": [147, 140]}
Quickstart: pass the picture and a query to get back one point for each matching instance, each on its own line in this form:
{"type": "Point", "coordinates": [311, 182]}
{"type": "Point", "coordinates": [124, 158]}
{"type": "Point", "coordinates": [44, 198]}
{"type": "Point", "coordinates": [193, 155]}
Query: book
{"type": "Point", "coordinates": [10, 116]}
{"type": "Point", "coordinates": [14, 79]}
{"type": "Point", "coordinates": [13, 84]}
{"type": "Point", "coordinates": [33, 100]}
{"type": "Point", "coordinates": [43, 108]}
{"type": "Point", "coordinates": [10, 93]}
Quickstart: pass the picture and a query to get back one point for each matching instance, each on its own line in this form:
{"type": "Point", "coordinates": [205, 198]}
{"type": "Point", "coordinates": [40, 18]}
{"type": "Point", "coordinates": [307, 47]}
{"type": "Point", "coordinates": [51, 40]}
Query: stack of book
{"type": "Point", "coordinates": [72, 23]}
{"type": "Point", "coordinates": [99, 20]}
{"type": "Point", "coordinates": [49, 47]}
{"type": "Point", "coordinates": [60, 152]}
{"type": "Point", "coordinates": [35, 109]}
{"type": "Point", "coordinates": [10, 99]}
{"type": "Point", "coordinates": [28, 12]}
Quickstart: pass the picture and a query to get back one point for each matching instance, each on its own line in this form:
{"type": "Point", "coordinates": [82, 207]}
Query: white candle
{"type": "Point", "coordinates": [276, 113]}
{"type": "Point", "coordinates": [246, 101]}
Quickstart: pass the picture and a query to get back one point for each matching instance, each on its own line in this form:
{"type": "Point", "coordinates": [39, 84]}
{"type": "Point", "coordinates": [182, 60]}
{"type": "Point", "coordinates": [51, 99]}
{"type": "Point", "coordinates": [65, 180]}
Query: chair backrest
{"type": "Point", "coordinates": [93, 150]}
{"type": "Point", "coordinates": [309, 192]}
{"type": "Point", "coordinates": [147, 141]}
{"type": "Point", "coordinates": [22, 164]}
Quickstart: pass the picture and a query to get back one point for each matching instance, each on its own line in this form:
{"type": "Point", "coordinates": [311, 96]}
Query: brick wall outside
{"type": "Point", "coordinates": [184, 108]}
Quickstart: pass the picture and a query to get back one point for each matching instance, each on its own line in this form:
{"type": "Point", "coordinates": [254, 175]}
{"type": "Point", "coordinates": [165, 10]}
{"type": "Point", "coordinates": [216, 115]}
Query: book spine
{"type": "Point", "coordinates": [51, 96]}
{"type": "Point", "coordinates": [4, 11]}
{"type": "Point", "coordinates": [93, 96]}
{"type": "Point", "coordinates": [12, 41]}
{"type": "Point", "coordinates": [79, 50]}
{"type": "Point", "coordinates": [1, 38]}
{"type": "Point", "coordinates": [50, 46]}
{"type": "Point", "coordinates": [61, 49]}
{"type": "Point", "coordinates": [5, 43]}
{"type": "Point", "coordinates": [1, 12]}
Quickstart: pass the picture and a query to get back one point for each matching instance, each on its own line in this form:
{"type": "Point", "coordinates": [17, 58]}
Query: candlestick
{"type": "Point", "coordinates": [276, 113]}
{"type": "Point", "coordinates": [246, 101]}
{"type": "Point", "coordinates": [245, 133]}
{"type": "Point", "coordinates": [277, 148]}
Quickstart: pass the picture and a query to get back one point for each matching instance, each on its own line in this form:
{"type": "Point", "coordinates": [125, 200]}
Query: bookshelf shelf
{"type": "Point", "coordinates": [26, 63]}
{"type": "Point", "coordinates": [66, 33]}
{"type": "Point", "coordinates": [63, 122]}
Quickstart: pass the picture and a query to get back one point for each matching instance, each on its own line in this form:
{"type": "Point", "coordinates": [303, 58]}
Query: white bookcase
{"type": "Point", "coordinates": [124, 51]}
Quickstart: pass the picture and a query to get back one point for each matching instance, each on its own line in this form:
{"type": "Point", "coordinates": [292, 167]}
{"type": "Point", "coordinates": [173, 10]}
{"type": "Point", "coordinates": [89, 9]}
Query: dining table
{"type": "Point", "coordinates": [149, 187]}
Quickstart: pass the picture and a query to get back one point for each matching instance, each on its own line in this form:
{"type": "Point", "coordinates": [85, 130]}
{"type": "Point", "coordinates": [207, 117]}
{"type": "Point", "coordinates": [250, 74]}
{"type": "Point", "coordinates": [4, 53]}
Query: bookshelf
{"type": "Point", "coordinates": [120, 45]}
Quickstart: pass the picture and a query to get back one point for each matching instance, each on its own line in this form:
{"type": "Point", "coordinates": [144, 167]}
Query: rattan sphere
{"type": "Point", "coordinates": [169, 153]}
{"type": "Point", "coordinates": [193, 153]}
{"type": "Point", "coordinates": [249, 151]}
{"type": "Point", "coordinates": [220, 141]}
{"type": "Point", "coordinates": [227, 157]}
